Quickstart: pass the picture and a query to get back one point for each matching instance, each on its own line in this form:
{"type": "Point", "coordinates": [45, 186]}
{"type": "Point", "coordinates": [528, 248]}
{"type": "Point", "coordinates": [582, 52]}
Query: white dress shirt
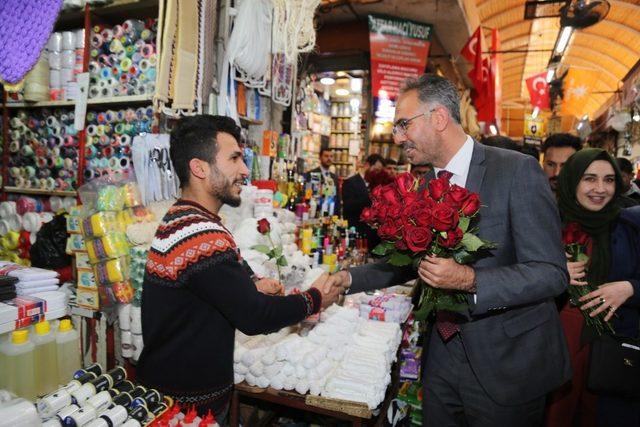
{"type": "Point", "coordinates": [459, 164]}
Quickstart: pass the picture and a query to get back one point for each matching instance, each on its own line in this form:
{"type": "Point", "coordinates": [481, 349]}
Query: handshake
{"type": "Point", "coordinates": [331, 286]}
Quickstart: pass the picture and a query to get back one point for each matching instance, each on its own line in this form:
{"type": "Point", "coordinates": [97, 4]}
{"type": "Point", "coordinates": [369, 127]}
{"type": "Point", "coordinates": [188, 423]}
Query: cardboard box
{"type": "Point", "coordinates": [82, 260]}
{"type": "Point", "coordinates": [88, 298]}
{"type": "Point", "coordinates": [86, 279]}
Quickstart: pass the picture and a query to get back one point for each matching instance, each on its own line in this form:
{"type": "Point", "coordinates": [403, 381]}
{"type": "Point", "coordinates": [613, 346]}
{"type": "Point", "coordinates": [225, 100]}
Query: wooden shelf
{"type": "Point", "coordinates": [345, 131]}
{"type": "Point", "coordinates": [252, 122]}
{"type": "Point", "coordinates": [39, 192]}
{"type": "Point", "coordinates": [116, 100]}
{"type": "Point", "coordinates": [111, 13]}
{"type": "Point", "coordinates": [338, 148]}
{"type": "Point", "coordinates": [344, 117]}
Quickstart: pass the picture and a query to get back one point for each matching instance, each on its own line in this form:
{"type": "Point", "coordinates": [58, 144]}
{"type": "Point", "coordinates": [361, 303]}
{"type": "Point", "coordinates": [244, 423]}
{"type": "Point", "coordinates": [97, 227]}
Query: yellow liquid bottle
{"type": "Point", "coordinates": [68, 349]}
{"type": "Point", "coordinates": [46, 358]}
{"type": "Point", "coordinates": [19, 357]}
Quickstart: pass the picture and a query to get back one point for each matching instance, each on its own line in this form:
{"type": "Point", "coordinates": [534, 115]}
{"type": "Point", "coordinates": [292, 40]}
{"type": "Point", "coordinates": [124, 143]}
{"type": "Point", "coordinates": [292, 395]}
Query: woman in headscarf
{"type": "Point", "coordinates": [589, 187]}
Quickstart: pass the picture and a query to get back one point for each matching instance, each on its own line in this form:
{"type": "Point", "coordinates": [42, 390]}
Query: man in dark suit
{"type": "Point", "coordinates": [355, 197]}
{"type": "Point", "coordinates": [494, 365]}
{"type": "Point", "coordinates": [328, 180]}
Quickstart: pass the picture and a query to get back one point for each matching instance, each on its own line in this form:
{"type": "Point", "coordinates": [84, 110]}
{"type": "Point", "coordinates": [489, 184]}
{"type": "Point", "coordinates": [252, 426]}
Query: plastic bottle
{"type": "Point", "coordinates": [19, 357]}
{"type": "Point", "coordinates": [46, 358]}
{"type": "Point", "coordinates": [68, 351]}
{"type": "Point", "coordinates": [3, 364]}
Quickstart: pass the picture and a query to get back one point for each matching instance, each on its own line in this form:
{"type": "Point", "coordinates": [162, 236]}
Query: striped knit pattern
{"type": "Point", "coordinates": [189, 239]}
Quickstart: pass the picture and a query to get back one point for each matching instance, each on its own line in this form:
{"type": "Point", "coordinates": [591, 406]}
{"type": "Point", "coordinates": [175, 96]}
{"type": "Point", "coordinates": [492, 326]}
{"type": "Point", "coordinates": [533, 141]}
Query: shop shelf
{"type": "Point", "coordinates": [343, 117]}
{"type": "Point", "coordinates": [338, 148]}
{"type": "Point", "coordinates": [248, 121]}
{"type": "Point", "coordinates": [344, 131]}
{"type": "Point", "coordinates": [39, 192]}
{"type": "Point", "coordinates": [113, 13]}
{"type": "Point", "coordinates": [115, 101]}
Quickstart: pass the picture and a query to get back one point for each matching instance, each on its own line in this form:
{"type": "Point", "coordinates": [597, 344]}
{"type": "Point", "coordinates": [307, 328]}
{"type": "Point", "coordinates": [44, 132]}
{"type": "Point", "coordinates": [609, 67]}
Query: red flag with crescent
{"type": "Point", "coordinates": [472, 52]}
{"type": "Point", "coordinates": [538, 90]}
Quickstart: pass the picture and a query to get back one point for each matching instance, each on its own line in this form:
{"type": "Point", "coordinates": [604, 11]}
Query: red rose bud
{"type": "Point", "coordinates": [452, 239]}
{"type": "Point", "coordinates": [437, 187]}
{"type": "Point", "coordinates": [263, 226]}
{"type": "Point", "coordinates": [569, 233]}
{"type": "Point", "coordinates": [444, 217]}
{"type": "Point", "coordinates": [405, 183]}
{"type": "Point", "coordinates": [418, 239]}
{"type": "Point", "coordinates": [401, 245]}
{"type": "Point", "coordinates": [583, 238]}
{"type": "Point", "coordinates": [421, 212]}
{"type": "Point", "coordinates": [471, 205]}
{"type": "Point", "coordinates": [390, 230]}
{"type": "Point", "coordinates": [456, 196]}
{"type": "Point", "coordinates": [390, 195]}
{"type": "Point", "coordinates": [367, 215]}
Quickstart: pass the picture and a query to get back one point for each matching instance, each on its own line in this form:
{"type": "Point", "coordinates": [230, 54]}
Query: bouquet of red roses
{"type": "Point", "coordinates": [413, 221]}
{"type": "Point", "coordinates": [576, 241]}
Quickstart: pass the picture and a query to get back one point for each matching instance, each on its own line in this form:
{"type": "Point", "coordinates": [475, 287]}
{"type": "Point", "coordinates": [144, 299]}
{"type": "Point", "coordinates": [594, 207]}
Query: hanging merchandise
{"type": "Point", "coordinates": [44, 150]}
{"type": "Point", "coordinates": [109, 136]}
{"type": "Point", "coordinates": [293, 29]}
{"type": "Point", "coordinates": [156, 177]}
{"type": "Point", "coordinates": [25, 28]}
{"type": "Point", "coordinates": [182, 37]}
{"type": "Point", "coordinates": [123, 59]}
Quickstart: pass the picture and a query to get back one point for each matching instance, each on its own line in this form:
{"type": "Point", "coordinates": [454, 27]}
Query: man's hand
{"type": "Point", "coordinates": [270, 286]}
{"type": "Point", "coordinates": [446, 273]}
{"type": "Point", "coordinates": [331, 287]}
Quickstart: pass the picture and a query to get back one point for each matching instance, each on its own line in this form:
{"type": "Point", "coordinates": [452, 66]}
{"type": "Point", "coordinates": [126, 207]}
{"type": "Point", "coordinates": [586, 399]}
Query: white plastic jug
{"type": "Point", "coordinates": [19, 357]}
{"type": "Point", "coordinates": [68, 349]}
{"type": "Point", "coordinates": [46, 358]}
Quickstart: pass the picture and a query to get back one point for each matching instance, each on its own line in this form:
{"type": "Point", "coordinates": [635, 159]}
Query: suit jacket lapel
{"type": "Point", "coordinates": [476, 169]}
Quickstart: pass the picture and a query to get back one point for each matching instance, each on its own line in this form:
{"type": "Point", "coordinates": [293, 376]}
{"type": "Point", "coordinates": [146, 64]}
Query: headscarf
{"type": "Point", "coordinates": [597, 224]}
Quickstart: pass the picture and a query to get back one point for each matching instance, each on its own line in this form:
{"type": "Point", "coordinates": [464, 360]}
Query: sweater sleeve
{"type": "Point", "coordinates": [226, 285]}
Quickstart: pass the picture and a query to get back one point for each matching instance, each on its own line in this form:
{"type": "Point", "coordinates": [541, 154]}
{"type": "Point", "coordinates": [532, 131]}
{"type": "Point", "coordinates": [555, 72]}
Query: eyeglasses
{"type": "Point", "coordinates": [401, 127]}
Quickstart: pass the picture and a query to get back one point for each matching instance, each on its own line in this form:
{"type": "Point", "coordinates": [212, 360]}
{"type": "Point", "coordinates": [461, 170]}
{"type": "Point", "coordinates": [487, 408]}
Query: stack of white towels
{"type": "Point", "coordinates": [343, 357]}
{"type": "Point", "coordinates": [31, 280]}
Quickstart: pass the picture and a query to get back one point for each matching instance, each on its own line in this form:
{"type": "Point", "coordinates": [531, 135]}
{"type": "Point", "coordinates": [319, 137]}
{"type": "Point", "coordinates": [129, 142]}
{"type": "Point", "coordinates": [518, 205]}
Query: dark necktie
{"type": "Point", "coordinates": [446, 324]}
{"type": "Point", "coordinates": [445, 174]}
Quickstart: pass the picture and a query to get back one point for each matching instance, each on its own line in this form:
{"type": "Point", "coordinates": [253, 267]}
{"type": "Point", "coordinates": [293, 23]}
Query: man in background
{"type": "Point", "coordinates": [328, 180]}
{"type": "Point", "coordinates": [631, 189]}
{"type": "Point", "coordinates": [557, 149]}
{"type": "Point", "coordinates": [355, 196]}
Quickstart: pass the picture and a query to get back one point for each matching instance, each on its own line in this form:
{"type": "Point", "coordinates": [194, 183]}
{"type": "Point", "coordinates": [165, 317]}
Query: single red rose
{"type": "Point", "coordinates": [583, 238]}
{"type": "Point", "coordinates": [263, 226]}
{"type": "Point", "coordinates": [456, 196]}
{"type": "Point", "coordinates": [377, 177]}
{"type": "Point", "coordinates": [388, 194]}
{"type": "Point", "coordinates": [390, 231]}
{"type": "Point", "coordinates": [438, 187]}
{"type": "Point", "coordinates": [368, 216]}
{"type": "Point", "coordinates": [453, 238]}
{"type": "Point", "coordinates": [409, 199]}
{"type": "Point", "coordinates": [421, 212]}
{"type": "Point", "coordinates": [405, 182]}
{"type": "Point", "coordinates": [418, 238]}
{"type": "Point", "coordinates": [471, 205]}
{"type": "Point", "coordinates": [394, 211]}
{"type": "Point", "coordinates": [573, 233]}
{"type": "Point", "coordinates": [444, 217]}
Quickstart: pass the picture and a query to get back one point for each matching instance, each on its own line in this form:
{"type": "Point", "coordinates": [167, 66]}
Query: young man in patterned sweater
{"type": "Point", "coordinates": [196, 291]}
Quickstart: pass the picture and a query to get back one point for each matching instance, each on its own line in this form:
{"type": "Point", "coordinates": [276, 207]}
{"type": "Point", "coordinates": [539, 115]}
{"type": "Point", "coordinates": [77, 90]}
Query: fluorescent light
{"type": "Point", "coordinates": [535, 112]}
{"type": "Point", "coordinates": [550, 73]}
{"type": "Point", "coordinates": [580, 124]}
{"type": "Point", "coordinates": [493, 129]}
{"type": "Point", "coordinates": [585, 117]}
{"type": "Point", "coordinates": [563, 40]}
{"type": "Point", "coordinates": [356, 85]}
{"type": "Point", "coordinates": [327, 81]}
{"type": "Point", "coordinates": [342, 91]}
{"type": "Point", "coordinates": [636, 117]}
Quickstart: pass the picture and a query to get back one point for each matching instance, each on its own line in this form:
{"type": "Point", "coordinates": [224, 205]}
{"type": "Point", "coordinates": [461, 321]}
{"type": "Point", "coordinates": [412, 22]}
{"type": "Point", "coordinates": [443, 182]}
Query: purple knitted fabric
{"type": "Point", "coordinates": [25, 26]}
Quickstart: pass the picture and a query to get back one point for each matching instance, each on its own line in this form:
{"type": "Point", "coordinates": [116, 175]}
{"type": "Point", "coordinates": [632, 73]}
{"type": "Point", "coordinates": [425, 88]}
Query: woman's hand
{"type": "Point", "coordinates": [610, 296]}
{"type": "Point", "coordinates": [576, 271]}
{"type": "Point", "coordinates": [270, 286]}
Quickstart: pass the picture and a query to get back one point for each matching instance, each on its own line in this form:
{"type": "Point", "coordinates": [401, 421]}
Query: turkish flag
{"type": "Point", "coordinates": [472, 52]}
{"type": "Point", "coordinates": [481, 78]}
{"type": "Point", "coordinates": [538, 90]}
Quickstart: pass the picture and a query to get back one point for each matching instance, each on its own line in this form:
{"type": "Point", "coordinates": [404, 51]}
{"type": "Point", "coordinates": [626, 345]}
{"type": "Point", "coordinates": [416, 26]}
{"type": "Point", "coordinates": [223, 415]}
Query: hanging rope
{"type": "Point", "coordinates": [293, 27]}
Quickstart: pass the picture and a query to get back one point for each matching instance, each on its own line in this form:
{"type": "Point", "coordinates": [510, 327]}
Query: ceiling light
{"type": "Point", "coordinates": [356, 85]}
{"type": "Point", "coordinates": [550, 74]}
{"type": "Point", "coordinates": [563, 40]}
{"type": "Point", "coordinates": [327, 81]}
{"type": "Point", "coordinates": [493, 129]}
{"type": "Point", "coordinates": [535, 112]}
{"type": "Point", "coordinates": [636, 117]}
{"type": "Point", "coordinates": [342, 91]}
{"type": "Point", "coordinates": [341, 73]}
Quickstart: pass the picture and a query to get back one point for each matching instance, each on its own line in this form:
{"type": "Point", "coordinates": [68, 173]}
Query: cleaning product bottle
{"type": "Point", "coordinates": [46, 358]}
{"type": "Point", "coordinates": [19, 359]}
{"type": "Point", "coordinates": [68, 351]}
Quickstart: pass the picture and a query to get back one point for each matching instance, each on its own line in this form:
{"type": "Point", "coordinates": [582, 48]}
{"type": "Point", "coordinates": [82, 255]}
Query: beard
{"type": "Point", "coordinates": [223, 189]}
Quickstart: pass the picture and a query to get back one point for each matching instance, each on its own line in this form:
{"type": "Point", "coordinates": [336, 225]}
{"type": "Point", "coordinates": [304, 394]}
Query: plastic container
{"type": "Point", "coordinates": [20, 360]}
{"type": "Point", "coordinates": [68, 351]}
{"type": "Point", "coordinates": [46, 358]}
